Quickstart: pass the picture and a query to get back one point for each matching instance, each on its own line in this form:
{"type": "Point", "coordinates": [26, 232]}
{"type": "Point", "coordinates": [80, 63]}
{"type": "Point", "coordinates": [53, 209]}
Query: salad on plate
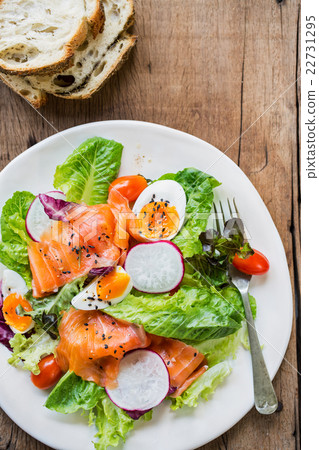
{"type": "Point", "coordinates": [115, 293]}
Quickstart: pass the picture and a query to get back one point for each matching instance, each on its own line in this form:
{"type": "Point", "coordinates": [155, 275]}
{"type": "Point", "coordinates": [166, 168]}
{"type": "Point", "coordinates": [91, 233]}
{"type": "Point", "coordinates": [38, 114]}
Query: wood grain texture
{"type": "Point", "coordinates": [218, 69]}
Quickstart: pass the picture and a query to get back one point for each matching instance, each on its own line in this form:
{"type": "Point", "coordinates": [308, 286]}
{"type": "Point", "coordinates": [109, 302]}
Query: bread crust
{"type": "Point", "coordinates": [41, 101]}
{"type": "Point", "coordinates": [97, 19]}
{"type": "Point", "coordinates": [64, 62]}
{"type": "Point", "coordinates": [122, 58]}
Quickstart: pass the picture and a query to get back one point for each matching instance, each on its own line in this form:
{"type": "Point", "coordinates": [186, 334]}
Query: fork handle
{"type": "Point", "coordinates": [265, 397]}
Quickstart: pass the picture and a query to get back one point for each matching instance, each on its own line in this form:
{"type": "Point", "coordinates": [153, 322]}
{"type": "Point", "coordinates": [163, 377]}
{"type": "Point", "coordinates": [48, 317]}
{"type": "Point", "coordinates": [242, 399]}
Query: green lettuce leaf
{"type": "Point", "coordinates": [112, 423]}
{"type": "Point", "coordinates": [192, 313]}
{"type": "Point", "coordinates": [14, 244]}
{"type": "Point", "coordinates": [198, 187]}
{"type": "Point", "coordinates": [86, 174]}
{"type": "Point", "coordinates": [198, 268]}
{"type": "Point", "coordinates": [27, 352]}
{"type": "Point", "coordinates": [217, 352]}
{"type": "Point", "coordinates": [203, 387]}
{"type": "Point", "coordinates": [9, 254]}
{"type": "Point", "coordinates": [56, 303]}
{"type": "Point", "coordinates": [13, 217]}
{"type": "Point", "coordinates": [72, 393]}
{"type": "Point", "coordinates": [47, 311]}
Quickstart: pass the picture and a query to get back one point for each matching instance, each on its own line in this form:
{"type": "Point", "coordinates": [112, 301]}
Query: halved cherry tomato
{"type": "Point", "coordinates": [130, 186]}
{"type": "Point", "coordinates": [49, 375]}
{"type": "Point", "coordinates": [257, 264]}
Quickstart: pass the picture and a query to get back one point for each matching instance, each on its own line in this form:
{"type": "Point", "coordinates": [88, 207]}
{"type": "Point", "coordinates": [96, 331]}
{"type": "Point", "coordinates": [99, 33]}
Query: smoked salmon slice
{"type": "Point", "coordinates": [69, 250]}
{"type": "Point", "coordinates": [184, 362]}
{"type": "Point", "coordinates": [92, 345]}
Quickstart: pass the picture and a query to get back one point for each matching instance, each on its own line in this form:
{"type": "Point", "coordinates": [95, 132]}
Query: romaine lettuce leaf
{"type": "Point", "coordinates": [47, 311]}
{"type": "Point", "coordinates": [198, 187]}
{"type": "Point", "coordinates": [13, 217]}
{"type": "Point", "coordinates": [56, 303]}
{"type": "Point", "coordinates": [192, 313]}
{"type": "Point", "coordinates": [72, 393]}
{"type": "Point", "coordinates": [203, 387]}
{"type": "Point", "coordinates": [27, 352]}
{"type": "Point", "coordinates": [217, 350]}
{"type": "Point", "coordinates": [112, 423]}
{"type": "Point", "coordinates": [14, 244]}
{"type": "Point", "coordinates": [86, 174]}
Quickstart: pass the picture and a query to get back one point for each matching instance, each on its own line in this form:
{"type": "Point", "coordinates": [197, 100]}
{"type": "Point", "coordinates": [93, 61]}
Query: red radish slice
{"type": "Point", "coordinates": [143, 381]}
{"type": "Point", "coordinates": [37, 221]}
{"type": "Point", "coordinates": [155, 267]}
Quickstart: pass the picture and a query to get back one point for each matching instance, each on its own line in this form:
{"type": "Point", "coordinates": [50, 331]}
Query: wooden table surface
{"type": "Point", "coordinates": [225, 71]}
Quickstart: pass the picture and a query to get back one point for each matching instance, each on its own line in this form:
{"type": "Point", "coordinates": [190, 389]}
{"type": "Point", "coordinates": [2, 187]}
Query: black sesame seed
{"type": "Point", "coordinates": [106, 346]}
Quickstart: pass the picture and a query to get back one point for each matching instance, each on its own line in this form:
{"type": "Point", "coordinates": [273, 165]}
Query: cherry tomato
{"type": "Point", "coordinates": [130, 186]}
{"type": "Point", "coordinates": [49, 375]}
{"type": "Point", "coordinates": [257, 264]}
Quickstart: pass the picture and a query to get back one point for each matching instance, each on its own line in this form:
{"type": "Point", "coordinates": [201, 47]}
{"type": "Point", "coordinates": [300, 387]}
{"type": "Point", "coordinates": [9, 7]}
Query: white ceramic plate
{"type": "Point", "coordinates": [153, 150]}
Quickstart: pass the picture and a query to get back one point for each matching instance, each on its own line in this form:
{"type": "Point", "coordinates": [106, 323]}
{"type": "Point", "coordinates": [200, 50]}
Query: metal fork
{"type": "Point", "coordinates": [264, 394]}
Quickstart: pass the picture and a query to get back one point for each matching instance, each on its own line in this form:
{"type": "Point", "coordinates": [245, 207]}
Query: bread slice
{"type": "Point", "coordinates": [21, 86]}
{"type": "Point", "coordinates": [40, 36]}
{"type": "Point", "coordinates": [119, 14]}
{"type": "Point", "coordinates": [95, 14]}
{"type": "Point", "coordinates": [108, 64]}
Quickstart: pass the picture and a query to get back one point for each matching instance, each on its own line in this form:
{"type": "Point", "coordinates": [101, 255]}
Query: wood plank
{"type": "Point", "coordinates": [211, 68]}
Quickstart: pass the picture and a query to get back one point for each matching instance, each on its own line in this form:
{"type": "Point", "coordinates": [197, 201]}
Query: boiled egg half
{"type": "Point", "coordinates": [14, 289]}
{"type": "Point", "coordinates": [160, 211]}
{"type": "Point", "coordinates": [104, 291]}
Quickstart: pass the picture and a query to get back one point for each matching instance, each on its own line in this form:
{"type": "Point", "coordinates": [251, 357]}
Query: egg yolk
{"type": "Point", "coordinates": [158, 220]}
{"type": "Point", "coordinates": [10, 304]}
{"type": "Point", "coordinates": [112, 285]}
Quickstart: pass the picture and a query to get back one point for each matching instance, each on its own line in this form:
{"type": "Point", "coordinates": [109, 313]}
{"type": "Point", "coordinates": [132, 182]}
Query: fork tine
{"type": "Point", "coordinates": [229, 207]}
{"type": "Point", "coordinates": [222, 211]}
{"type": "Point", "coordinates": [236, 209]}
{"type": "Point", "coordinates": [216, 218]}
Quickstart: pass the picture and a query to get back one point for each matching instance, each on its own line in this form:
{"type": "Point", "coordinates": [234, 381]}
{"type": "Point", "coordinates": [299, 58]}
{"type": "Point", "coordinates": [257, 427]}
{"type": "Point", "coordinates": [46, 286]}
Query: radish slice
{"type": "Point", "coordinates": [37, 221]}
{"type": "Point", "coordinates": [143, 381]}
{"type": "Point", "coordinates": [155, 267]}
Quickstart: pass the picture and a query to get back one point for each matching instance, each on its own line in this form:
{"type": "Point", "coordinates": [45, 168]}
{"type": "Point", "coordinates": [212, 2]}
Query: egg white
{"type": "Point", "coordinates": [87, 299]}
{"type": "Point", "coordinates": [163, 190]}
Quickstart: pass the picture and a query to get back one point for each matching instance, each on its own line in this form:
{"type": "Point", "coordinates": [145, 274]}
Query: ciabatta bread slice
{"type": "Point", "coordinates": [40, 36]}
{"type": "Point", "coordinates": [118, 16]}
{"type": "Point", "coordinates": [21, 86]}
{"type": "Point", "coordinates": [95, 14]}
{"type": "Point", "coordinates": [109, 63]}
